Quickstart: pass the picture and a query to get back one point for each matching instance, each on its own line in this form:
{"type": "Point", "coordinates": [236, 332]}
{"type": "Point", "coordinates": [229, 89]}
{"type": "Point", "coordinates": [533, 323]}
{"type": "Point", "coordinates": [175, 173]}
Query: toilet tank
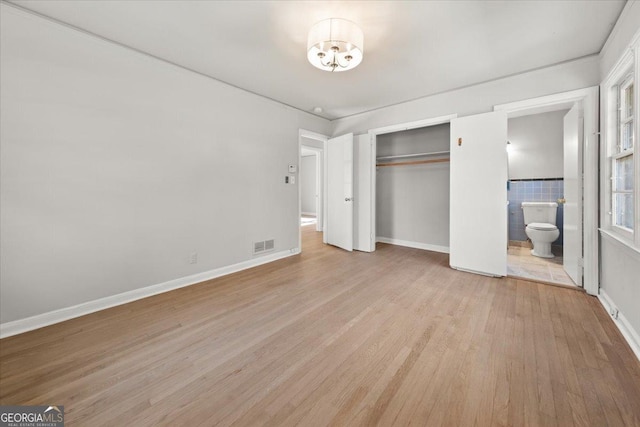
{"type": "Point", "coordinates": [539, 212]}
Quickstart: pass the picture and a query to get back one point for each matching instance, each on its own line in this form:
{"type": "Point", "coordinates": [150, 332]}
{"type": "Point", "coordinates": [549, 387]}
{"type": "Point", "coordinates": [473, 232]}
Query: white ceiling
{"type": "Point", "coordinates": [411, 49]}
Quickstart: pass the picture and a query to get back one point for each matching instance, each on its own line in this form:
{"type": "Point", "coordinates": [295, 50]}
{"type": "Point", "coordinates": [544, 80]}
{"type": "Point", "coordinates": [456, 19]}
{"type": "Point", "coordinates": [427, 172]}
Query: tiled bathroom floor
{"type": "Point", "coordinates": [520, 263]}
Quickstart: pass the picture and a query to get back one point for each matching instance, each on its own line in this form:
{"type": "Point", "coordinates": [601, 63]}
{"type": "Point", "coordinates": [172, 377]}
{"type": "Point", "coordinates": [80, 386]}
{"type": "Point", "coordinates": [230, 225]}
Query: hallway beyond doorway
{"type": "Point", "coordinates": [308, 220]}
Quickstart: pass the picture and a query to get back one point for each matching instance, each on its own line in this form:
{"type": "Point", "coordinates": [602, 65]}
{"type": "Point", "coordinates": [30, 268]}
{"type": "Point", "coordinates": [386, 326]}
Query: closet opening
{"type": "Point", "coordinates": [411, 186]}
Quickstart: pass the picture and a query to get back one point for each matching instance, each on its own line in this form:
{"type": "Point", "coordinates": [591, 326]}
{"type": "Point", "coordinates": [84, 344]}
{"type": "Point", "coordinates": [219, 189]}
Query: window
{"type": "Point", "coordinates": [620, 163]}
{"type": "Point", "coordinates": [622, 158]}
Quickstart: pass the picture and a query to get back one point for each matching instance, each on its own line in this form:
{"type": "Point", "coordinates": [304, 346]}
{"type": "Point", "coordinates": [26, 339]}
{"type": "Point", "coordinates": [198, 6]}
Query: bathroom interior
{"type": "Point", "coordinates": [536, 196]}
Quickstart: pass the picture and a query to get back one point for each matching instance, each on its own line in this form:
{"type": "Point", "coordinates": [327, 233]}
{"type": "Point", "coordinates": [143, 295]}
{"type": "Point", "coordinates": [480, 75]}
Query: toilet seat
{"type": "Point", "coordinates": [542, 226]}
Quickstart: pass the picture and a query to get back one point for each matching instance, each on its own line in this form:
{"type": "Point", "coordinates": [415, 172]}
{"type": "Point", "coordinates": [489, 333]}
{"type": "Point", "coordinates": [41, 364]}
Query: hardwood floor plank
{"type": "Point", "coordinates": [515, 415]}
{"type": "Point", "coordinates": [328, 337]}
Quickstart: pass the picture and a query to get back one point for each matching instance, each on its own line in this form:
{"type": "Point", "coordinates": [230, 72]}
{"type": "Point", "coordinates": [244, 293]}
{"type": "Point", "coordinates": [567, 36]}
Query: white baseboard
{"type": "Point", "coordinates": [416, 245]}
{"type": "Point", "coordinates": [630, 334]}
{"type": "Point", "coordinates": [45, 319]}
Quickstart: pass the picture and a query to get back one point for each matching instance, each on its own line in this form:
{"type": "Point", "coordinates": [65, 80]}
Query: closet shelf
{"type": "Point", "coordinates": [414, 162]}
{"type": "Point", "coordinates": [406, 156]}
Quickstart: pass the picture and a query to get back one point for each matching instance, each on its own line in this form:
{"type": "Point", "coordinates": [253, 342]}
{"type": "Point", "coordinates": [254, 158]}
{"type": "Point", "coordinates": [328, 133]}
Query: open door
{"type": "Point", "coordinates": [572, 226]}
{"type": "Point", "coordinates": [339, 161]}
{"type": "Point", "coordinates": [478, 194]}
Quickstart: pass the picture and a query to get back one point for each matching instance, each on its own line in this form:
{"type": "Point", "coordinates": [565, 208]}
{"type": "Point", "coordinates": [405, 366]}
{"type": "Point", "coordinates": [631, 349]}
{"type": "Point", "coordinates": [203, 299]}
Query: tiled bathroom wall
{"type": "Point", "coordinates": [535, 190]}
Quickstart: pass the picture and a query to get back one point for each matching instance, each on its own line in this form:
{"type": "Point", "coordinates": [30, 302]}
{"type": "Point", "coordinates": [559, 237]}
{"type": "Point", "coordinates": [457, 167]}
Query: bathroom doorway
{"type": "Point", "coordinates": [577, 206]}
{"type": "Point", "coordinates": [536, 175]}
{"type": "Point", "coordinates": [544, 163]}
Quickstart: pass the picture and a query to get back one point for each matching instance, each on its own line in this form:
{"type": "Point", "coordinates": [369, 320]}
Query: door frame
{"type": "Point", "coordinates": [320, 179]}
{"type": "Point", "coordinates": [373, 134]}
{"type": "Point", "coordinates": [590, 149]}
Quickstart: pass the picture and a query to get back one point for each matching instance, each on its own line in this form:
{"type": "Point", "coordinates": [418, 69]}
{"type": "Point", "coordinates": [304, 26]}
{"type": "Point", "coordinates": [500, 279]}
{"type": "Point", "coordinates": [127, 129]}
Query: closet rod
{"type": "Point", "coordinates": [404, 156]}
{"type": "Point", "coordinates": [415, 162]}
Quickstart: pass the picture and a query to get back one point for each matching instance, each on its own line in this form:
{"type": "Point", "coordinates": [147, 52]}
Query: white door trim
{"type": "Point", "coordinates": [373, 134]}
{"type": "Point", "coordinates": [320, 182]}
{"type": "Point", "coordinates": [589, 99]}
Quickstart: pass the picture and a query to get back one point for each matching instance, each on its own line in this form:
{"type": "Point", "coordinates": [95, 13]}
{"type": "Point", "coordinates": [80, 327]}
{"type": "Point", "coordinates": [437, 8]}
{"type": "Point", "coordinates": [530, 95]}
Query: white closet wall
{"type": "Point", "coordinates": [412, 201]}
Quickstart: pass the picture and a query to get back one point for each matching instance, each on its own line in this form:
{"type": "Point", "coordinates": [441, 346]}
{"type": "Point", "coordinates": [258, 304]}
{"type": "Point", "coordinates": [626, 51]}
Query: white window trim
{"type": "Point", "coordinates": [628, 64]}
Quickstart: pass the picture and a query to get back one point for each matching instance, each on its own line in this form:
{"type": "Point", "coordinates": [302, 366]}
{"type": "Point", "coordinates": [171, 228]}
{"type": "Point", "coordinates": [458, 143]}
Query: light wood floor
{"type": "Point", "coordinates": [332, 338]}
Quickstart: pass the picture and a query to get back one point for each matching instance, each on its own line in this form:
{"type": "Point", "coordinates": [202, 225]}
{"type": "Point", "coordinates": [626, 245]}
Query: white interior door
{"type": "Point", "coordinates": [572, 226]}
{"type": "Point", "coordinates": [339, 230]}
{"type": "Point", "coordinates": [362, 187]}
{"type": "Point", "coordinates": [478, 194]}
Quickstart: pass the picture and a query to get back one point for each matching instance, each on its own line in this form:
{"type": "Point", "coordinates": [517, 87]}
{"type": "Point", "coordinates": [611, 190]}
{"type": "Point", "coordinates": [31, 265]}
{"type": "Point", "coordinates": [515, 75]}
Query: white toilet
{"type": "Point", "coordinates": [540, 219]}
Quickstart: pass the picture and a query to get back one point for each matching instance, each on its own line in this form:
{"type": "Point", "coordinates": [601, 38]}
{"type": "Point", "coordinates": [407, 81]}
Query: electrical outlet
{"type": "Point", "coordinates": [193, 258]}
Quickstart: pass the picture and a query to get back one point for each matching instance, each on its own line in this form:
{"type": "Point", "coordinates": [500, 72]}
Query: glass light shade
{"type": "Point", "coordinates": [335, 45]}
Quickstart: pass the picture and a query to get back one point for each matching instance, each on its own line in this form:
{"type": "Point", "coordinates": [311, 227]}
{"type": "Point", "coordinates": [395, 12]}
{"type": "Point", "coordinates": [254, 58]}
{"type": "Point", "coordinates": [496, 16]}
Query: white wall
{"type": "Point", "coordinates": [308, 189]}
{"type": "Point", "coordinates": [117, 166]}
{"type": "Point", "coordinates": [537, 146]}
{"type": "Point", "coordinates": [412, 202]}
{"type": "Point", "coordinates": [620, 264]}
{"type": "Point", "coordinates": [620, 279]}
{"type": "Point", "coordinates": [480, 98]}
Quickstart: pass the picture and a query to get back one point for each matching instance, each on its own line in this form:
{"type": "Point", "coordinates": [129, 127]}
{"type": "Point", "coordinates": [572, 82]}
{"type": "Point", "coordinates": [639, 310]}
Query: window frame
{"type": "Point", "coordinates": [620, 152]}
{"type": "Point", "coordinates": [626, 72]}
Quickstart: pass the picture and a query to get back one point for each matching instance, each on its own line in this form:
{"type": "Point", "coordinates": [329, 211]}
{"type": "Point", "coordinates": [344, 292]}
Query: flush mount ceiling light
{"type": "Point", "coordinates": [335, 45]}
